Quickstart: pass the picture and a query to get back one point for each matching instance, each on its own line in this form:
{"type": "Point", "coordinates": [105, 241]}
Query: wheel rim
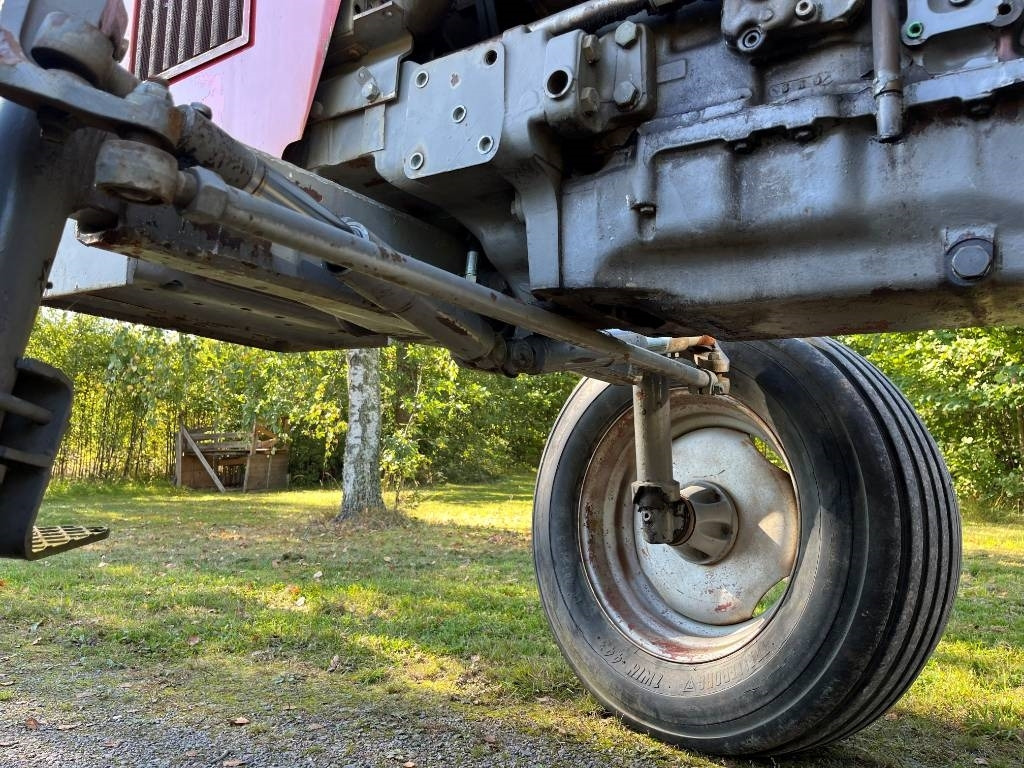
{"type": "Point", "coordinates": [656, 595]}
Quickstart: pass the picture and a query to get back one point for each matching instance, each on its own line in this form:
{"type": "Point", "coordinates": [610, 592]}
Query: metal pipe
{"type": "Point", "coordinates": [206, 198]}
{"type": "Point", "coordinates": [467, 336]}
{"type": "Point", "coordinates": [591, 16]}
{"type": "Point", "coordinates": [888, 84]}
{"type": "Point", "coordinates": [652, 416]}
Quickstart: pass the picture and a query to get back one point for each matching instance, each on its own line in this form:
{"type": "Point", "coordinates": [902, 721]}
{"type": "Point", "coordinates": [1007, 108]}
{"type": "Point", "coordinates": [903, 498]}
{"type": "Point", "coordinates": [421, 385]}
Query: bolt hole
{"type": "Point", "coordinates": [915, 29]}
{"type": "Point", "coordinates": [491, 57]}
{"type": "Point", "coordinates": [459, 114]}
{"type": "Point", "coordinates": [485, 145]}
{"type": "Point", "coordinates": [416, 160]}
{"type": "Point", "coordinates": [422, 78]}
{"type": "Point", "coordinates": [1004, 9]}
{"type": "Point", "coordinates": [751, 39]}
{"type": "Point", "coordinates": [559, 83]}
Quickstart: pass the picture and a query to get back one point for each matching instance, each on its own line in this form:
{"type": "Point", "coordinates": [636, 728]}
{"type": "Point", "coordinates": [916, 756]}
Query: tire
{"type": "Point", "coordinates": [838, 488]}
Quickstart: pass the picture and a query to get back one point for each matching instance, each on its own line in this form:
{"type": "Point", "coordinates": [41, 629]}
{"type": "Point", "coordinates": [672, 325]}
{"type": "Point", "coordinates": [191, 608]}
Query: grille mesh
{"type": "Point", "coordinates": [173, 32]}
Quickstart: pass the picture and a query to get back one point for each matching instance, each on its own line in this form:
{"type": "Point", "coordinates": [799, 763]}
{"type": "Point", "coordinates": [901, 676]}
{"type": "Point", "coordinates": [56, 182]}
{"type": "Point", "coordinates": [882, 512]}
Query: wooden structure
{"type": "Point", "coordinates": [254, 461]}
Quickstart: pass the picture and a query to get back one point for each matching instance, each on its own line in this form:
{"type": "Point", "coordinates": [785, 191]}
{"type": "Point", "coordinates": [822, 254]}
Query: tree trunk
{"type": "Point", "coordinates": [360, 477]}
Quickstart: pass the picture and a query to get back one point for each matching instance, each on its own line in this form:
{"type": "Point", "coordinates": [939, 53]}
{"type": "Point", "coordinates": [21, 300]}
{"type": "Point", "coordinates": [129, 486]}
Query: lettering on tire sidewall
{"type": "Point", "coordinates": [696, 680]}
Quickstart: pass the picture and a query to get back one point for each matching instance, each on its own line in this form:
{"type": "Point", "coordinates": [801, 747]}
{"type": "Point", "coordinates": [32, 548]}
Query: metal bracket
{"type": "Point", "coordinates": [927, 19]}
{"type": "Point", "coordinates": [26, 83]}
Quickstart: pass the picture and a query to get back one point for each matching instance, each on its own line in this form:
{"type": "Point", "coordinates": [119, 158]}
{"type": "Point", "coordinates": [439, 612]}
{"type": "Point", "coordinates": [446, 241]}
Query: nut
{"type": "Point", "coordinates": [626, 34]}
{"type": "Point", "coordinates": [806, 10]}
{"type": "Point", "coordinates": [590, 101]}
{"type": "Point", "coordinates": [626, 95]}
{"type": "Point", "coordinates": [590, 47]}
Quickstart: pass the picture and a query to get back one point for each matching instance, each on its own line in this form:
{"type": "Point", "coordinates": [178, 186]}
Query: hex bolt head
{"type": "Point", "coordinates": [590, 101]}
{"type": "Point", "coordinates": [971, 259]}
{"type": "Point", "coordinates": [626, 95]}
{"type": "Point", "coordinates": [590, 47]}
{"type": "Point", "coordinates": [371, 91]}
{"type": "Point", "coordinates": [626, 34]}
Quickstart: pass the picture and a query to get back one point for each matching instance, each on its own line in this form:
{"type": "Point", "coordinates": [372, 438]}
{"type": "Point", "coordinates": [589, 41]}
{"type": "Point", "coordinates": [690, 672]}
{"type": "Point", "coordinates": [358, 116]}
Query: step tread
{"type": "Point", "coordinates": [53, 539]}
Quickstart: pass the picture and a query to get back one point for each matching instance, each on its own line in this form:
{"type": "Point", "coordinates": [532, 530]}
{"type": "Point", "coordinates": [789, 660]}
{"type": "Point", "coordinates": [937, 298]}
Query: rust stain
{"type": "Point", "coordinates": [10, 49]}
{"type": "Point", "coordinates": [723, 607]}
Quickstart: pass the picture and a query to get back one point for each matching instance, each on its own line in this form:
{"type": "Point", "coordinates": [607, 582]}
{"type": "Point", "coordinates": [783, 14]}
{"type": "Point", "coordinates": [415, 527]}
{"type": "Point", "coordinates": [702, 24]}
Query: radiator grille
{"type": "Point", "coordinates": [173, 36]}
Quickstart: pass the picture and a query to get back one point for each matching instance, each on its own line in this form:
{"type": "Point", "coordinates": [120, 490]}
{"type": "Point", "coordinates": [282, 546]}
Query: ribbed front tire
{"type": "Point", "coordinates": [845, 511]}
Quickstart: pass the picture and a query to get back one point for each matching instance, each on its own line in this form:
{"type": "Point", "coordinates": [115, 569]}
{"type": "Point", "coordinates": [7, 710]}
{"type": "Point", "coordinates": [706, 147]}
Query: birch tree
{"type": "Point", "coordinates": [360, 479]}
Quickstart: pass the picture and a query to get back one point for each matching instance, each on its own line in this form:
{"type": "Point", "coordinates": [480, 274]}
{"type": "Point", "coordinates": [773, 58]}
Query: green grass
{"type": "Point", "coordinates": [200, 605]}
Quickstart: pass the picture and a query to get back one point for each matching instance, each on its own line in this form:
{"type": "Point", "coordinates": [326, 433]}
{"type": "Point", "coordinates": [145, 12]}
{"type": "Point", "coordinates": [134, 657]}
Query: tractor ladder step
{"type": "Point", "coordinates": [33, 420]}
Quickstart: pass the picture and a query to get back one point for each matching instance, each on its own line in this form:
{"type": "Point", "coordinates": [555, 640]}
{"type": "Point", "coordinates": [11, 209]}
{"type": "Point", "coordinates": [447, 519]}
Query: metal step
{"type": "Point", "coordinates": [35, 417]}
{"type": "Point", "coordinates": [54, 539]}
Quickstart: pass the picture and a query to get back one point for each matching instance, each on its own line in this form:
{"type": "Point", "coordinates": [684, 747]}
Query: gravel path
{"type": "Point", "coordinates": [356, 738]}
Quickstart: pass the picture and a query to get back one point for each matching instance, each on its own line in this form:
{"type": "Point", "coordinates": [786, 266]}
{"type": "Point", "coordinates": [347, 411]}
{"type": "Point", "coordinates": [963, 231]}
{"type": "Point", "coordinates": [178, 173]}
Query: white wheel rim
{"type": "Point", "coordinates": [657, 598]}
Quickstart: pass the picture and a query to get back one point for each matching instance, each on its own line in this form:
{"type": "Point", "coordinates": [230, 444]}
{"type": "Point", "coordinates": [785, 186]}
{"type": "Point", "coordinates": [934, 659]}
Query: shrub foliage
{"type": "Point", "coordinates": [134, 385]}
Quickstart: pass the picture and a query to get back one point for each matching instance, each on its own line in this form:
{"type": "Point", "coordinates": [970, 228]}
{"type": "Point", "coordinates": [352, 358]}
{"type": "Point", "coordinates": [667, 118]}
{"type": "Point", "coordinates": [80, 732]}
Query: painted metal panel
{"type": "Point", "coordinates": [262, 93]}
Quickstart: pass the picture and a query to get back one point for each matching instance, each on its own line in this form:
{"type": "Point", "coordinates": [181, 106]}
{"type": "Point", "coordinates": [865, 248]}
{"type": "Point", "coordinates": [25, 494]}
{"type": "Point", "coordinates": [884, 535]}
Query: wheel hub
{"type": "Point", "coordinates": [745, 532]}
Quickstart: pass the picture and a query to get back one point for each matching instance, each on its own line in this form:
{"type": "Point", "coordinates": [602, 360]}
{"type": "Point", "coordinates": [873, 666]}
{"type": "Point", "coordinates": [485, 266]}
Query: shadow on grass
{"type": "Point", "coordinates": [256, 600]}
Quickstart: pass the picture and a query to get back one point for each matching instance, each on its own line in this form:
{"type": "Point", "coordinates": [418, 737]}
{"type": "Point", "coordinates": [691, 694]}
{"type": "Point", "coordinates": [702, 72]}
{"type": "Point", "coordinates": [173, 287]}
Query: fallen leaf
{"type": "Point", "coordinates": [192, 753]}
{"type": "Point", "coordinates": [68, 727]}
{"type": "Point", "coordinates": [193, 641]}
{"type": "Point", "coordinates": [891, 716]}
{"type": "Point", "coordinates": [7, 743]}
{"type": "Point", "coordinates": [36, 641]}
{"type": "Point", "coordinates": [980, 761]}
{"type": "Point", "coordinates": [289, 707]}
{"type": "Point", "coordinates": [7, 683]}
{"type": "Point", "coordinates": [490, 738]}
{"type": "Point", "coordinates": [315, 726]}
{"type": "Point", "coordinates": [233, 763]}
{"type": "Point", "coordinates": [111, 744]}
{"type": "Point", "coordinates": [335, 663]}
{"type": "Point", "coordinates": [408, 764]}
{"type": "Point", "coordinates": [32, 724]}
{"type": "Point", "coordinates": [316, 576]}
{"type": "Point", "coordinates": [387, 559]}
{"type": "Point", "coordinates": [240, 721]}
{"type": "Point", "coordinates": [300, 602]}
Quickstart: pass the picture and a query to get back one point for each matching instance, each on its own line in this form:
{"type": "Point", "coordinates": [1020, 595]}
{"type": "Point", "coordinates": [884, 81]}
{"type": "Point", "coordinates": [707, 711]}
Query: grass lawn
{"type": "Point", "coordinates": [202, 605]}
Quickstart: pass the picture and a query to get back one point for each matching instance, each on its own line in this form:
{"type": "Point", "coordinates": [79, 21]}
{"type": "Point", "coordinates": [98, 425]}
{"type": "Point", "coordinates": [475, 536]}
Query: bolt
{"type": "Point", "coordinates": [626, 95]}
{"type": "Point", "coordinates": [980, 108]}
{"type": "Point", "coordinates": [914, 30]}
{"type": "Point", "coordinates": [371, 91]}
{"type": "Point", "coordinates": [626, 34]}
{"type": "Point", "coordinates": [971, 259]}
{"type": "Point", "coordinates": [803, 135]}
{"type": "Point", "coordinates": [591, 49]}
{"type": "Point", "coordinates": [202, 109]}
{"type": "Point", "coordinates": [743, 146]}
{"type": "Point", "coordinates": [806, 10]}
{"type": "Point", "coordinates": [590, 101]}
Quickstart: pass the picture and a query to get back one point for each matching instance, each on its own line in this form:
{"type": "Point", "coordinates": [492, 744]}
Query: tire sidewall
{"type": "Point", "coordinates": [716, 705]}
